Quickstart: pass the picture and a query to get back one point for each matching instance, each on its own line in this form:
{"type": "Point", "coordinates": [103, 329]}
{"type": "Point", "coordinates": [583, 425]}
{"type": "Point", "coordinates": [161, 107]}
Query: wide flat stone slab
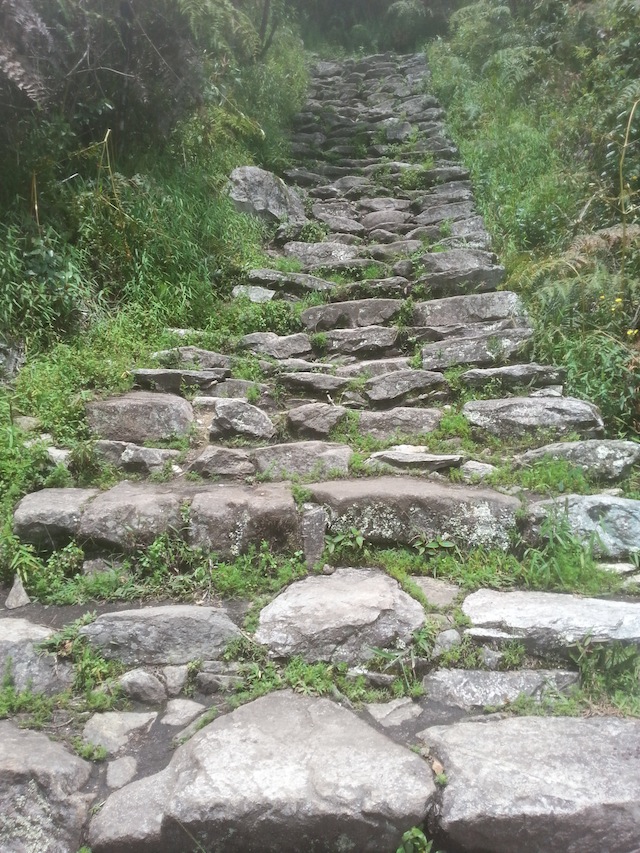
{"type": "Point", "coordinates": [302, 458]}
{"type": "Point", "coordinates": [555, 784]}
{"type": "Point", "coordinates": [319, 384]}
{"type": "Point", "coordinates": [339, 617]}
{"type": "Point", "coordinates": [51, 517]}
{"type": "Point", "coordinates": [367, 342]}
{"type": "Point", "coordinates": [517, 416]}
{"type": "Point", "coordinates": [140, 416]}
{"type": "Point", "coordinates": [406, 386]}
{"type": "Point", "coordinates": [228, 519]}
{"type": "Point", "coordinates": [602, 459]}
{"type": "Point", "coordinates": [410, 457]}
{"type": "Point", "coordinates": [169, 634]}
{"type": "Point", "coordinates": [474, 308]}
{"type": "Point", "coordinates": [41, 805]}
{"type": "Point", "coordinates": [399, 422]}
{"type": "Point", "coordinates": [264, 195]}
{"type": "Point", "coordinates": [28, 667]}
{"type": "Point", "coordinates": [232, 417]}
{"type": "Point", "coordinates": [292, 282]}
{"type": "Point", "coordinates": [487, 349]}
{"type": "Point", "coordinates": [515, 376]}
{"type": "Point", "coordinates": [277, 346]}
{"type": "Point", "coordinates": [352, 315]}
{"type": "Point", "coordinates": [460, 271]}
{"type": "Point", "coordinates": [281, 774]}
{"type": "Point", "coordinates": [176, 381]}
{"type": "Point", "coordinates": [113, 730]}
{"type": "Point", "coordinates": [193, 357]}
{"type": "Point", "coordinates": [612, 523]}
{"type": "Point", "coordinates": [472, 688]}
{"type": "Point", "coordinates": [315, 419]}
{"type": "Point", "coordinates": [398, 509]}
{"type": "Point", "coordinates": [551, 621]}
{"type": "Point", "coordinates": [318, 255]}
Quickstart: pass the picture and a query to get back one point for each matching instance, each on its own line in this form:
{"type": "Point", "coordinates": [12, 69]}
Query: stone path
{"type": "Point", "coordinates": [410, 320]}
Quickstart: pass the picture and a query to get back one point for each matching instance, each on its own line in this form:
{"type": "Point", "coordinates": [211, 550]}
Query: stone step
{"type": "Point", "coordinates": [140, 416]}
{"type": "Point", "coordinates": [275, 461]}
{"type": "Point", "coordinates": [491, 348]}
{"type": "Point", "coordinates": [518, 416]}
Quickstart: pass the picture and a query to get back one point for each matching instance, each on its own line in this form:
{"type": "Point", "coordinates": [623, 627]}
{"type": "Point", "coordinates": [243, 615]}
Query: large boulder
{"type": "Point", "coordinates": [233, 417]}
{"type": "Point", "coordinates": [302, 459]}
{"type": "Point", "coordinates": [281, 774]}
{"type": "Point", "coordinates": [265, 195]}
{"type": "Point", "coordinates": [600, 458]}
{"type": "Point", "coordinates": [51, 517]}
{"type": "Point", "coordinates": [41, 807]}
{"type": "Point", "coordinates": [25, 663]}
{"type": "Point", "coordinates": [518, 416]}
{"type": "Point", "coordinates": [140, 416]}
{"type": "Point", "coordinates": [536, 783]}
{"type": "Point", "coordinates": [397, 510]}
{"type": "Point", "coordinates": [170, 634]}
{"type": "Point", "coordinates": [339, 617]}
{"type": "Point", "coordinates": [475, 308]}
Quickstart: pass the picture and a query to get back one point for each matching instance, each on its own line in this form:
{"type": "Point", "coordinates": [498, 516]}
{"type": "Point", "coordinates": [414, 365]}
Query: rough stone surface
{"type": "Point", "coordinates": [292, 282]}
{"type": "Point", "coordinates": [554, 784]}
{"type": "Point", "coordinates": [353, 315]}
{"type": "Point", "coordinates": [41, 807]}
{"type": "Point", "coordinates": [180, 712]}
{"type": "Point", "coordinates": [113, 730]}
{"type": "Point", "coordinates": [239, 418]}
{"type": "Point", "coordinates": [370, 341]}
{"type": "Point", "coordinates": [548, 621]}
{"type": "Point", "coordinates": [175, 381]}
{"type": "Point", "coordinates": [410, 457]}
{"type": "Point", "coordinates": [612, 522]}
{"type": "Point", "coordinates": [142, 686]}
{"type": "Point", "coordinates": [313, 255]}
{"type": "Point", "coordinates": [223, 462]}
{"type": "Point", "coordinates": [121, 771]}
{"type": "Point", "coordinates": [604, 460]}
{"type": "Point", "coordinates": [304, 458]}
{"type": "Point", "coordinates": [483, 350]}
{"type": "Point", "coordinates": [471, 688]}
{"type": "Point", "coordinates": [315, 419]}
{"type": "Point", "coordinates": [30, 668]}
{"type": "Point", "coordinates": [475, 308]}
{"type": "Point", "coordinates": [50, 517]}
{"type": "Point", "coordinates": [440, 593]}
{"type": "Point", "coordinates": [404, 386]}
{"type": "Point", "coordinates": [339, 617]}
{"type": "Point", "coordinates": [461, 269]}
{"type": "Point", "coordinates": [264, 195]}
{"type": "Point", "coordinates": [518, 416]}
{"type": "Point", "coordinates": [514, 376]}
{"type": "Point", "coordinates": [389, 509]}
{"type": "Point", "coordinates": [130, 514]}
{"type": "Point", "coordinates": [277, 346]}
{"type": "Point", "coordinates": [140, 416]}
{"type": "Point", "coordinates": [228, 519]}
{"type": "Point", "coordinates": [320, 384]}
{"type": "Point", "coordinates": [278, 775]}
{"type": "Point", "coordinates": [190, 356]}
{"type": "Point", "coordinates": [171, 634]}
{"type": "Point", "coordinates": [133, 457]}
{"type": "Point", "coordinates": [17, 596]}
{"type": "Point", "coordinates": [399, 422]}
{"type": "Point", "coordinates": [394, 713]}
{"type": "Point", "coordinates": [175, 678]}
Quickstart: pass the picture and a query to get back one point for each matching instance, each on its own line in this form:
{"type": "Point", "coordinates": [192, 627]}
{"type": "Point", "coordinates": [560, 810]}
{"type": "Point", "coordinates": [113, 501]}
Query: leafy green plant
{"type": "Point", "coordinates": [415, 841]}
{"type": "Point", "coordinates": [344, 543]}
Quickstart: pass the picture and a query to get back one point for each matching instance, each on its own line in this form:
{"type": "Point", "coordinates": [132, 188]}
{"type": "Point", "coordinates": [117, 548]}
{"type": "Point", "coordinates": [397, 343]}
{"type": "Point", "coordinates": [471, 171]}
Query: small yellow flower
{"type": "Point", "coordinates": [602, 296]}
{"type": "Point", "coordinates": [632, 332]}
{"type": "Point", "coordinates": [618, 299]}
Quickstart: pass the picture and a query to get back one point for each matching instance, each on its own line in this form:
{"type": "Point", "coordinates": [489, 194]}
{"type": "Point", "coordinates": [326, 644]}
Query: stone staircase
{"type": "Point", "coordinates": [354, 428]}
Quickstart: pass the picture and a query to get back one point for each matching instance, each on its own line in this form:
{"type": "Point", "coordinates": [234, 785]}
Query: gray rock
{"type": "Point", "coordinates": [445, 212]}
{"type": "Point", "coordinates": [370, 341]}
{"type": "Point", "coordinates": [176, 381]}
{"type": "Point", "coordinates": [253, 292]}
{"type": "Point", "coordinates": [303, 458]}
{"type": "Point", "coordinates": [406, 386]}
{"type": "Point", "coordinates": [180, 712]}
{"type": "Point", "coordinates": [319, 384]}
{"type": "Point", "coordinates": [445, 641]}
{"type": "Point", "coordinates": [410, 457]}
{"type": "Point", "coordinates": [392, 251]}
{"type": "Point", "coordinates": [374, 367]}
{"type": "Point", "coordinates": [471, 688]}
{"type": "Point", "coordinates": [41, 807]}
{"type": "Point", "coordinates": [515, 375]}
{"type": "Point", "coordinates": [313, 527]}
{"type": "Point", "coordinates": [340, 617]}
{"type": "Point", "coordinates": [170, 634]}
{"type": "Point", "coordinates": [142, 686]}
{"type": "Point", "coordinates": [439, 593]}
{"type": "Point", "coordinates": [28, 666]}
{"type": "Point", "coordinates": [140, 416]}
{"type": "Point", "coordinates": [318, 255]}
{"type": "Point", "coordinates": [278, 775]}
{"type": "Point", "coordinates": [519, 416]}
{"type": "Point", "coordinates": [298, 283]}
{"type": "Point", "coordinates": [394, 713]}
{"type": "Point", "coordinates": [399, 422]}
{"type": "Point", "coordinates": [391, 509]}
{"type": "Point", "coordinates": [238, 418]}
{"type": "Point", "coordinates": [121, 771]}
{"type": "Point", "coordinates": [602, 459]}
{"type": "Point", "coordinates": [554, 784]}
{"type": "Point", "coordinates": [113, 730]}
{"type": "Point", "coordinates": [12, 357]}
{"type": "Point", "coordinates": [130, 515]}
{"type": "Point", "coordinates": [475, 472]}
{"type": "Point", "coordinates": [17, 596]}
{"type": "Point", "coordinates": [474, 308]}
{"type": "Point", "coordinates": [175, 678]}
{"type": "Point", "coordinates": [133, 457]}
{"type": "Point", "coordinates": [228, 519]}
{"type": "Point", "coordinates": [277, 346]}
{"type": "Point", "coordinates": [353, 315]}
{"type": "Point", "coordinates": [51, 517]}
{"type": "Point", "coordinates": [387, 218]}
{"type": "Point", "coordinates": [315, 419]}
{"type": "Point", "coordinates": [485, 349]}
{"type": "Point", "coordinates": [460, 270]}
{"type": "Point", "coordinates": [612, 523]}
{"type": "Point", "coordinates": [550, 621]}
{"type": "Point", "coordinates": [223, 462]}
{"type": "Point", "coordinates": [264, 195]}
{"type": "Point", "coordinates": [193, 357]}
